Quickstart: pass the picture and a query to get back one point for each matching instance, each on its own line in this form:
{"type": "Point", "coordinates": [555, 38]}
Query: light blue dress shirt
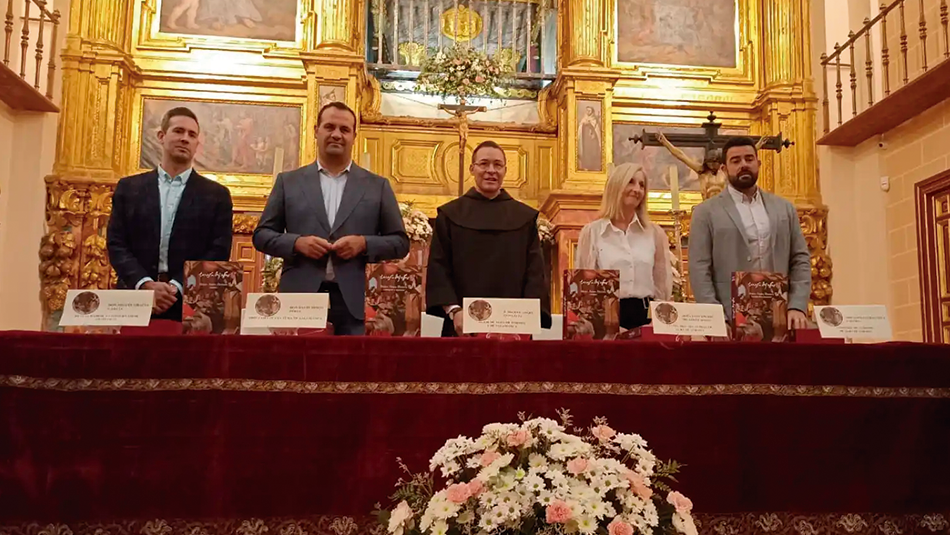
{"type": "Point", "coordinates": [170, 190]}
{"type": "Point", "coordinates": [332, 188]}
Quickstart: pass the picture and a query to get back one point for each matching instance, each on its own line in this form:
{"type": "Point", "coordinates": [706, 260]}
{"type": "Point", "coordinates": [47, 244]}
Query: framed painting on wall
{"type": "Point", "coordinates": [235, 138]}
{"type": "Point", "coordinates": [273, 20]}
{"type": "Point", "coordinates": [678, 32]}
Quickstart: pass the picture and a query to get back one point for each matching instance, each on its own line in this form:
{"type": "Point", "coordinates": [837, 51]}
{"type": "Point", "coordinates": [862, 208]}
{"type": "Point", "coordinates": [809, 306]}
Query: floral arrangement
{"type": "Point", "coordinates": [461, 71]}
{"type": "Point", "coordinates": [270, 274]}
{"type": "Point", "coordinates": [545, 231]}
{"type": "Point", "coordinates": [534, 477]}
{"type": "Point", "coordinates": [416, 222]}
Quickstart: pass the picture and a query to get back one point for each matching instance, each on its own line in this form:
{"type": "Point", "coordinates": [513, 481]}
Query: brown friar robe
{"type": "Point", "coordinates": [485, 248]}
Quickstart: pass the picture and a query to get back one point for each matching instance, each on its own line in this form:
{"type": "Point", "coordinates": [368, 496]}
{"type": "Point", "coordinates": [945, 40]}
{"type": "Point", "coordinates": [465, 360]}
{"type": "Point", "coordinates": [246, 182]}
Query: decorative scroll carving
{"type": "Point", "coordinates": [245, 223]}
{"type": "Point", "coordinates": [814, 221]}
{"type": "Point", "coordinates": [77, 213]}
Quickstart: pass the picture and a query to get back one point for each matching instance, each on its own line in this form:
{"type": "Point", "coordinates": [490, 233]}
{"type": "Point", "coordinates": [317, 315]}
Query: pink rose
{"type": "Point", "coordinates": [603, 432]}
{"type": "Point", "coordinates": [558, 512]}
{"type": "Point", "coordinates": [479, 79]}
{"type": "Point", "coordinates": [639, 485]}
{"type": "Point", "coordinates": [619, 527]}
{"type": "Point", "coordinates": [489, 457]}
{"type": "Point", "coordinates": [458, 493]}
{"type": "Point", "coordinates": [577, 466]}
{"type": "Point", "coordinates": [518, 438]}
{"type": "Point", "coordinates": [476, 487]}
{"type": "Point", "coordinates": [682, 504]}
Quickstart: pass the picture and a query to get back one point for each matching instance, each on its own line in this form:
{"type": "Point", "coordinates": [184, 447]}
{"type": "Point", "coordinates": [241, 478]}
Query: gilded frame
{"type": "Point", "coordinates": [744, 74]}
{"type": "Point", "coordinates": [149, 37]}
{"type": "Point", "coordinates": [250, 191]}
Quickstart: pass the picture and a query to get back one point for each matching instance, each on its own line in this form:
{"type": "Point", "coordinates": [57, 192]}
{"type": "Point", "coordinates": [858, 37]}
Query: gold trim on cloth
{"type": "Point", "coordinates": [772, 523]}
{"type": "Point", "coordinates": [476, 389]}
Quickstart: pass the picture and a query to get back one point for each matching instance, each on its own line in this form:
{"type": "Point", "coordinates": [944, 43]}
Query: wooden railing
{"type": "Point", "coordinates": [44, 18]}
{"type": "Point", "coordinates": [903, 71]}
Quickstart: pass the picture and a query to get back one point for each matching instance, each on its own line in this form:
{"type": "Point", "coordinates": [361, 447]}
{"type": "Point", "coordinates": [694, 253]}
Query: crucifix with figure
{"type": "Point", "coordinates": [712, 179]}
{"type": "Point", "coordinates": [461, 111]}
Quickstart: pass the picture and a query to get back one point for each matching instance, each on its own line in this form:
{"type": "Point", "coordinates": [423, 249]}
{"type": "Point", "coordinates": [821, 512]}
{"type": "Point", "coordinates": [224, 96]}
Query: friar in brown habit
{"type": "Point", "coordinates": [485, 244]}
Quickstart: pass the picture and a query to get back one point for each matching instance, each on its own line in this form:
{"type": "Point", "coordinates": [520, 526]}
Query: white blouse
{"type": "Point", "coordinates": [640, 253]}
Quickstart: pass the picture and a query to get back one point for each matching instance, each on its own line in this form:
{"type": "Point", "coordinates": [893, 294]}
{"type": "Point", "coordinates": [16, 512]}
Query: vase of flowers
{"type": "Point", "coordinates": [536, 477]}
{"type": "Point", "coordinates": [419, 232]}
{"type": "Point", "coordinates": [461, 72]}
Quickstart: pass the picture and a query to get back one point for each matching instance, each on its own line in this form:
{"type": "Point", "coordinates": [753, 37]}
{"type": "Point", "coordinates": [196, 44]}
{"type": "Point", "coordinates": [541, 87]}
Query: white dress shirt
{"type": "Point", "coordinates": [757, 229]}
{"type": "Point", "coordinates": [632, 251]}
{"type": "Point", "coordinates": [170, 190]}
{"type": "Point", "coordinates": [332, 188]}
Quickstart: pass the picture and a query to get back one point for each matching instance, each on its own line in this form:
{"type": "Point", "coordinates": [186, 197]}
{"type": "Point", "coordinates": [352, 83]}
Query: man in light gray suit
{"type": "Point", "coordinates": [329, 219]}
{"type": "Point", "coordinates": [747, 229]}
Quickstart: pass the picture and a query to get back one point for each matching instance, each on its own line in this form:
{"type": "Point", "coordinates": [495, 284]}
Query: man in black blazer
{"type": "Point", "coordinates": [166, 216]}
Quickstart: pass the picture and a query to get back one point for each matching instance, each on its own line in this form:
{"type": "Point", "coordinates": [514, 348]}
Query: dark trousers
{"type": "Point", "coordinates": [344, 323]}
{"type": "Point", "coordinates": [634, 312]}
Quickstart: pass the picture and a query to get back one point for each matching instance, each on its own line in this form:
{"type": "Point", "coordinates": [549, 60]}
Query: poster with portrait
{"type": "Point", "coordinates": [234, 138]}
{"type": "Point", "coordinates": [677, 32]}
{"type": "Point", "coordinates": [590, 136]}
{"type": "Point", "coordinates": [332, 93]}
{"type": "Point", "coordinates": [272, 20]}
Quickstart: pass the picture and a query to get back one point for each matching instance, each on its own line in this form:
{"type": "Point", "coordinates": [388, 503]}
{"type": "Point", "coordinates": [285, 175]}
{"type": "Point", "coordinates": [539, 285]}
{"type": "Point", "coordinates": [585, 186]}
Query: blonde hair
{"type": "Point", "coordinates": [611, 204]}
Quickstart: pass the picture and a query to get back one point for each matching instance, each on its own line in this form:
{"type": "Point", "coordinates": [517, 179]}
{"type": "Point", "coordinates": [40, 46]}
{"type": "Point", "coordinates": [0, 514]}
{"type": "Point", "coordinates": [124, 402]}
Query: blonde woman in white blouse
{"type": "Point", "coordinates": [623, 238]}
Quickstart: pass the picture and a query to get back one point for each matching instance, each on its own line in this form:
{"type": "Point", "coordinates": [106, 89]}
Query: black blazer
{"type": "Point", "coordinates": [202, 228]}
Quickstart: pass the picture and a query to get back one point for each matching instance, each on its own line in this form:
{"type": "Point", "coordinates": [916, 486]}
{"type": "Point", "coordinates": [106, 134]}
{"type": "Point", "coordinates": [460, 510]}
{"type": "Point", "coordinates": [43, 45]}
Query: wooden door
{"type": "Point", "coordinates": [933, 246]}
{"type": "Point", "coordinates": [243, 251]}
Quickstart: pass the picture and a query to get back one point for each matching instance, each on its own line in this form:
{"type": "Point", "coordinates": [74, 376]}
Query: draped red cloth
{"type": "Point", "coordinates": [98, 428]}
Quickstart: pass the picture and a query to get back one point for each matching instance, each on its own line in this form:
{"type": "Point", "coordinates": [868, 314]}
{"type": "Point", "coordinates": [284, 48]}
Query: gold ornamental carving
{"type": "Point", "coordinates": [244, 223]}
{"type": "Point", "coordinates": [461, 23]}
{"type": "Point", "coordinates": [73, 253]}
{"type": "Point", "coordinates": [814, 227]}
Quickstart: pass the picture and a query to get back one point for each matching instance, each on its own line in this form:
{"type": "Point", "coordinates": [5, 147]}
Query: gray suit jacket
{"type": "Point", "coordinates": [718, 247]}
{"type": "Point", "coordinates": [295, 208]}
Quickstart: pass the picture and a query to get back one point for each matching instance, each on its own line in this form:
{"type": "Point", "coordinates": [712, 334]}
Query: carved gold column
{"type": "Point", "coordinates": [788, 104]}
{"type": "Point", "coordinates": [90, 152]}
{"type": "Point", "coordinates": [584, 81]}
{"type": "Point", "coordinates": [335, 63]}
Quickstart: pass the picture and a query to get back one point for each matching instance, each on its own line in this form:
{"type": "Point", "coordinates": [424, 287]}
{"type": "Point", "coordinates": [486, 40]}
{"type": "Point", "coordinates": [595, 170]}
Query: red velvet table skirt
{"type": "Point", "coordinates": [129, 434]}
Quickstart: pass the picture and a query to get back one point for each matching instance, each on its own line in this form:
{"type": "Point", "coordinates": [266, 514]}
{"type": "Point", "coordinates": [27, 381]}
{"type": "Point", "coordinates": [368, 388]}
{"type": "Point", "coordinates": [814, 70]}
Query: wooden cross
{"type": "Point", "coordinates": [461, 112]}
{"type": "Point", "coordinates": [710, 140]}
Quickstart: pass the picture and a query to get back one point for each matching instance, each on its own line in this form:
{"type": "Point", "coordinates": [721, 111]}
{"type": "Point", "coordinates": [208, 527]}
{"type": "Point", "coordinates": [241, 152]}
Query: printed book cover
{"type": "Point", "coordinates": [591, 304]}
{"type": "Point", "coordinates": [213, 297]}
{"type": "Point", "coordinates": [394, 300]}
{"type": "Point", "coordinates": [760, 307]}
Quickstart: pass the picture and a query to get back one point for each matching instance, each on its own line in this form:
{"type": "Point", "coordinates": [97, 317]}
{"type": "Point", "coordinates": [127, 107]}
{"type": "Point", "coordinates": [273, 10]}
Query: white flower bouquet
{"type": "Point", "coordinates": [416, 222]}
{"type": "Point", "coordinates": [535, 477]}
{"type": "Point", "coordinates": [462, 72]}
{"type": "Point", "coordinates": [545, 231]}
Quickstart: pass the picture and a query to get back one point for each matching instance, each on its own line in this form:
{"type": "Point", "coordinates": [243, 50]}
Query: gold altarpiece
{"type": "Point", "coordinates": [124, 64]}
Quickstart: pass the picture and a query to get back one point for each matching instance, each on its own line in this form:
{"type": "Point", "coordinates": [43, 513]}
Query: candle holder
{"type": "Point", "coordinates": [677, 215]}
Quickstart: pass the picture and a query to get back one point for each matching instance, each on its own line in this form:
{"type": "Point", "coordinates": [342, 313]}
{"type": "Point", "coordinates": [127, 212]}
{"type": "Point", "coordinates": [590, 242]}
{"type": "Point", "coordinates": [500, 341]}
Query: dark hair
{"type": "Point", "coordinates": [736, 141]}
{"type": "Point", "coordinates": [339, 106]}
{"type": "Point", "coordinates": [489, 144]}
{"type": "Point", "coordinates": [177, 112]}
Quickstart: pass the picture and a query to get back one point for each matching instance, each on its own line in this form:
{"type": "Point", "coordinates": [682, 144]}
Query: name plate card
{"type": "Point", "coordinates": [301, 310]}
{"type": "Point", "coordinates": [119, 308]}
{"type": "Point", "coordinates": [504, 316]}
{"type": "Point", "coordinates": [693, 319]}
{"type": "Point", "coordinates": [854, 321]}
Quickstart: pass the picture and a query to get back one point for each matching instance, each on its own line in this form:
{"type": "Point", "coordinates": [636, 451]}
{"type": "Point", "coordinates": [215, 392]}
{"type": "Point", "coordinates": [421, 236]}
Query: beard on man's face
{"type": "Point", "coordinates": [745, 178]}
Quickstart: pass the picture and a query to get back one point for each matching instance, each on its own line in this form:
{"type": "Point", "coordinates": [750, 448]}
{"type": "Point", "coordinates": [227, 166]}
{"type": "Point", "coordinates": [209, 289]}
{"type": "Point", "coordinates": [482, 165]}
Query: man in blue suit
{"type": "Point", "coordinates": [327, 220]}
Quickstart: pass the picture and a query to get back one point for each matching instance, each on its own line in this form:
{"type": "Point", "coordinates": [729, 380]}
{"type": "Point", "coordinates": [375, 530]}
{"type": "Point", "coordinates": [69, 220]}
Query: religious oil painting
{"type": "Point", "coordinates": [332, 93]}
{"type": "Point", "coordinates": [677, 32]}
{"type": "Point", "coordinates": [235, 138]}
{"type": "Point", "coordinates": [590, 140]}
{"type": "Point", "coordinates": [273, 20]}
{"type": "Point", "coordinates": [656, 161]}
